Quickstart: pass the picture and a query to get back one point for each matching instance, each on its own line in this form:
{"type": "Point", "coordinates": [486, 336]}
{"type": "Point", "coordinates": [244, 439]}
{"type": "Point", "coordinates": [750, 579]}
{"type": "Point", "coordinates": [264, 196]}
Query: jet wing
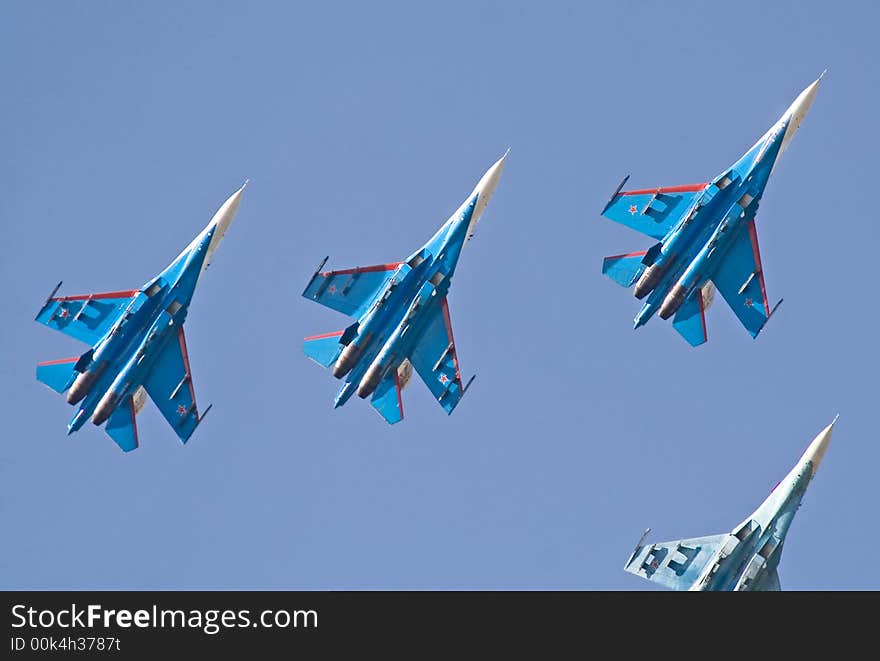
{"type": "Point", "coordinates": [652, 211]}
{"type": "Point", "coordinates": [740, 279]}
{"type": "Point", "coordinates": [86, 318]}
{"type": "Point", "coordinates": [769, 583]}
{"type": "Point", "coordinates": [349, 291]}
{"type": "Point", "coordinates": [676, 565]}
{"type": "Point", "coordinates": [435, 360]}
{"type": "Point", "coordinates": [169, 385]}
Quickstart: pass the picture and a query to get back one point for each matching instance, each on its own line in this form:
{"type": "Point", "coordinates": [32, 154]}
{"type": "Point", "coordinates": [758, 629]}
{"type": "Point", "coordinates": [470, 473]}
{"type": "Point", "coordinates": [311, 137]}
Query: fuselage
{"type": "Point", "coordinates": [695, 246]}
{"type": "Point", "coordinates": [753, 550]}
{"type": "Point", "coordinates": [120, 362]}
{"type": "Point", "coordinates": [692, 250]}
{"type": "Point", "coordinates": [751, 553]}
{"type": "Point", "coordinates": [394, 323]}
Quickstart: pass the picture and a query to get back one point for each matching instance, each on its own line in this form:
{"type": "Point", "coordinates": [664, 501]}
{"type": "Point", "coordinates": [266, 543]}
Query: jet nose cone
{"type": "Point", "coordinates": [493, 174]}
{"type": "Point", "coordinates": [220, 223]}
{"type": "Point", "coordinates": [816, 450]}
{"type": "Point", "coordinates": [228, 209]}
{"type": "Point", "coordinates": [486, 186]}
{"type": "Point", "coordinates": [802, 103]}
{"type": "Point", "coordinates": [797, 111]}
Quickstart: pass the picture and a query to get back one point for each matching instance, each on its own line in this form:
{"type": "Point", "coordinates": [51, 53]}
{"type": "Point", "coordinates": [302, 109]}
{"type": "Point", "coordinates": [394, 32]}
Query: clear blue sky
{"type": "Point", "coordinates": [362, 127]}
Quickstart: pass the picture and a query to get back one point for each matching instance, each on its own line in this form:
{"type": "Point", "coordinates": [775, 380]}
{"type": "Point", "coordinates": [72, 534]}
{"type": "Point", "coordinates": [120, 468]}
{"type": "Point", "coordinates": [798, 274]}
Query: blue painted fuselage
{"type": "Point", "coordinates": [138, 346]}
{"type": "Point", "coordinates": [401, 317]}
{"type": "Point", "coordinates": [722, 211]}
{"type": "Point", "coordinates": [388, 332]}
{"type": "Point", "coordinates": [125, 355]}
{"type": "Point", "coordinates": [706, 238]}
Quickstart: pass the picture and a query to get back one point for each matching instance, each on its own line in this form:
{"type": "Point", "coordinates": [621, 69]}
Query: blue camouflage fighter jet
{"type": "Point", "coordinates": [706, 238]}
{"type": "Point", "coordinates": [138, 344]}
{"type": "Point", "coordinates": [402, 317]}
{"type": "Point", "coordinates": [744, 559]}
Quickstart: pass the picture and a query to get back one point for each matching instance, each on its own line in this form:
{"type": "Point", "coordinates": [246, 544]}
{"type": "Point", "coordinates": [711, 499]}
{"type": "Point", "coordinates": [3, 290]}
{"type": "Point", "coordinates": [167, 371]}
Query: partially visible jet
{"type": "Point", "coordinates": [402, 317]}
{"type": "Point", "coordinates": [706, 238]}
{"type": "Point", "coordinates": [745, 558]}
{"type": "Point", "coordinates": [138, 345]}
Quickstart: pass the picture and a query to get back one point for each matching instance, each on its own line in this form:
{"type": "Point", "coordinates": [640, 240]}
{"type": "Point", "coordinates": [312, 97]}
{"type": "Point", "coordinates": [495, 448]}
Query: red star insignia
{"type": "Point", "coordinates": [332, 289]}
{"type": "Point", "coordinates": [633, 209]}
{"type": "Point", "coordinates": [444, 379]}
{"type": "Point", "coordinates": [749, 302]}
{"type": "Point", "coordinates": [64, 314]}
{"type": "Point", "coordinates": [654, 564]}
{"type": "Point", "coordinates": [181, 409]}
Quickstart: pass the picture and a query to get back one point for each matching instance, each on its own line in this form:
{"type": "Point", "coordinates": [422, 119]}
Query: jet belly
{"type": "Point", "coordinates": [710, 254]}
{"type": "Point", "coordinates": [685, 246]}
{"type": "Point", "coordinates": [691, 231]}
{"type": "Point", "coordinates": [107, 357]}
{"type": "Point", "coordinates": [136, 367]}
{"type": "Point", "coordinates": [95, 362]}
{"type": "Point", "coordinates": [370, 326]}
{"type": "Point", "coordinates": [402, 338]}
{"type": "Point", "coordinates": [669, 250]}
{"type": "Point", "coordinates": [667, 280]}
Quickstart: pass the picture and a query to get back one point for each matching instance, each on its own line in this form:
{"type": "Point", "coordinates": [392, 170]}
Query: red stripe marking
{"type": "Point", "coordinates": [133, 422]}
{"type": "Point", "coordinates": [321, 337]}
{"type": "Point", "coordinates": [59, 361]}
{"type": "Point", "coordinates": [753, 235]}
{"type": "Point", "coordinates": [363, 269]}
{"type": "Point", "coordinates": [445, 306]}
{"type": "Point", "coordinates": [687, 188]}
{"type": "Point", "coordinates": [399, 397]}
{"type": "Point", "coordinates": [192, 392]}
{"type": "Point", "coordinates": [109, 294]}
{"type": "Point", "coordinates": [629, 254]}
{"type": "Point", "coordinates": [702, 313]}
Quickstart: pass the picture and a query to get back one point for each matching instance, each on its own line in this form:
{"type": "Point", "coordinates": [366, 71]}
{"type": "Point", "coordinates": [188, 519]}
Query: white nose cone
{"type": "Point", "coordinates": [816, 450]}
{"type": "Point", "coordinates": [797, 111]}
{"type": "Point", "coordinates": [484, 188]}
{"type": "Point", "coordinates": [221, 222]}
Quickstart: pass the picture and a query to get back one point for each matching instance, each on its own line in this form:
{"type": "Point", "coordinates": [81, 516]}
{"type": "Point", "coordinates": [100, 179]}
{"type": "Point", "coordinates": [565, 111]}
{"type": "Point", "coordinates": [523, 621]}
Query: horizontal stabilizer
{"type": "Point", "coordinates": [690, 320]}
{"type": "Point", "coordinates": [121, 425]}
{"type": "Point", "coordinates": [624, 269]}
{"type": "Point", "coordinates": [59, 375]}
{"type": "Point", "coordinates": [387, 400]}
{"type": "Point", "coordinates": [323, 349]}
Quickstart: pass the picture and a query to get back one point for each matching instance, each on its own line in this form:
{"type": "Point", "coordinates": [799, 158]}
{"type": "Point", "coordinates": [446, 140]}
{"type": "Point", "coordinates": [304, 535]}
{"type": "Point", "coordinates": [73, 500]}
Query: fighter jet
{"type": "Point", "coordinates": [402, 317]}
{"type": "Point", "coordinates": [137, 343]}
{"type": "Point", "coordinates": [706, 238]}
{"type": "Point", "coordinates": [745, 558]}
